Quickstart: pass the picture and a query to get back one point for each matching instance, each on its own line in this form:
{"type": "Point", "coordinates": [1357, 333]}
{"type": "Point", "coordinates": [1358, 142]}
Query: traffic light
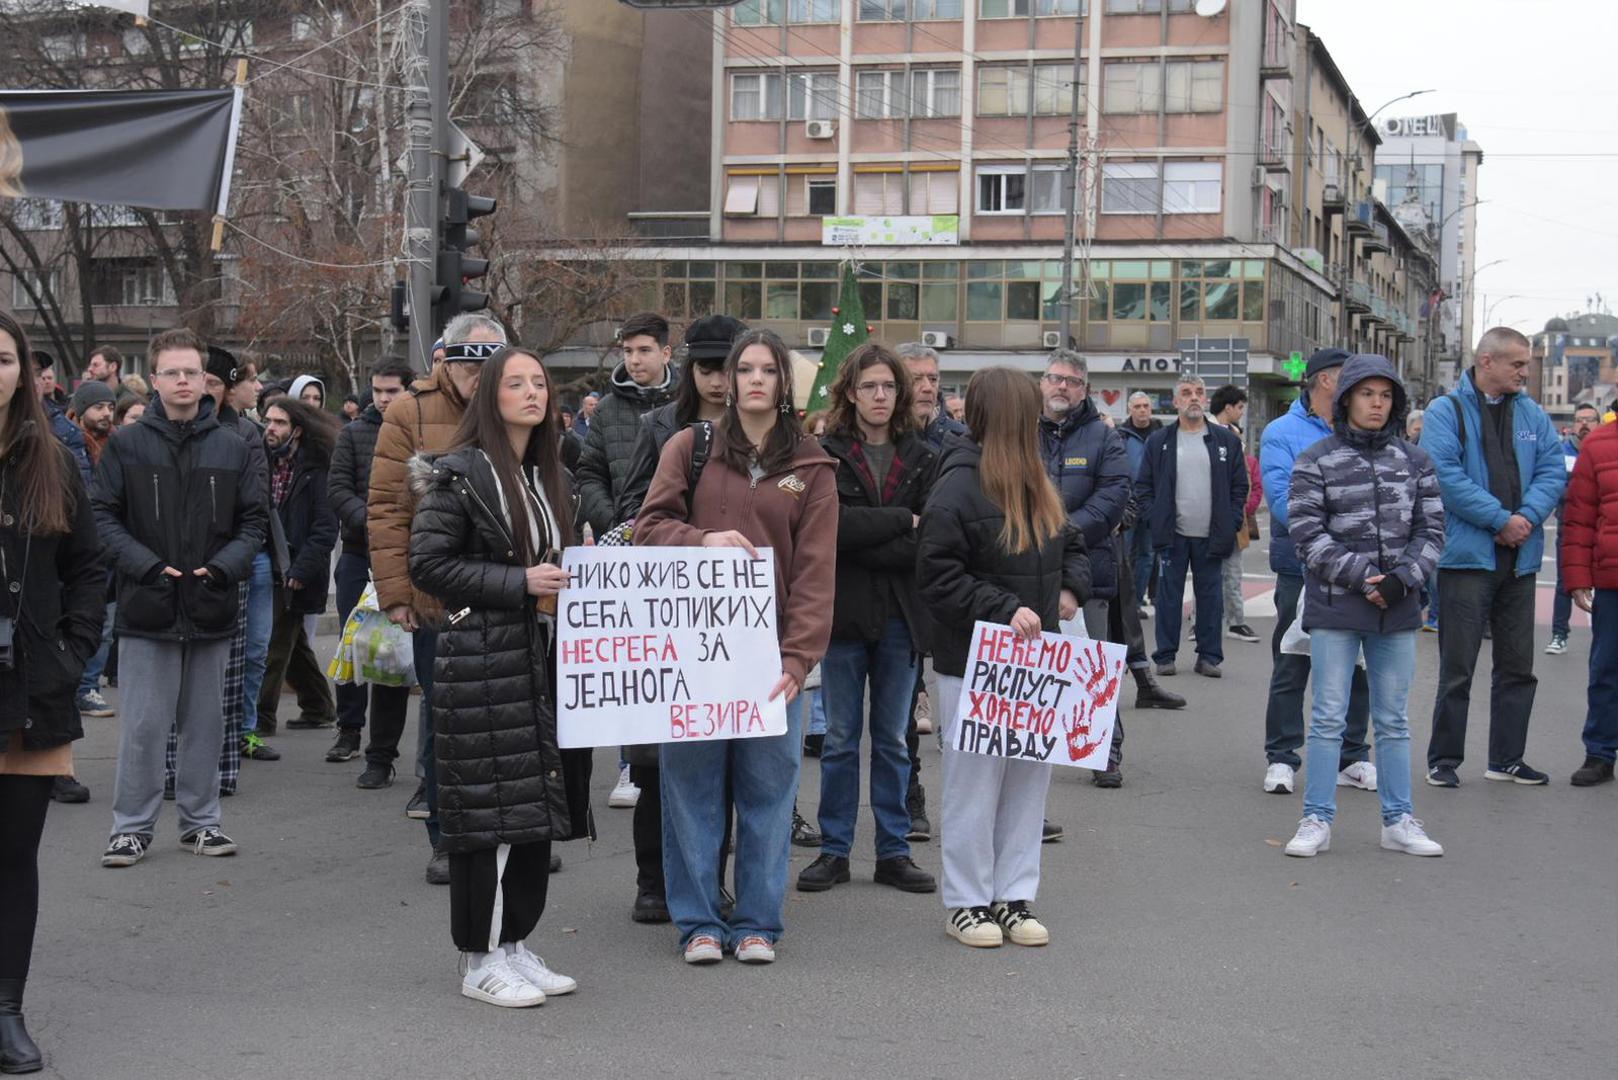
{"type": "Point", "coordinates": [455, 266]}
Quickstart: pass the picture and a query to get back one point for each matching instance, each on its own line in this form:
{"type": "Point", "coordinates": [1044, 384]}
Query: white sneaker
{"type": "Point", "coordinates": [1016, 919]}
{"type": "Point", "coordinates": [1313, 836]}
{"type": "Point", "coordinates": [703, 949]}
{"type": "Point", "coordinates": [532, 968]}
{"type": "Point", "coordinates": [626, 794]}
{"type": "Point", "coordinates": [1278, 778]}
{"type": "Point", "coordinates": [1408, 836]}
{"type": "Point", "coordinates": [1361, 774]}
{"type": "Point", "coordinates": [975, 927]}
{"type": "Point", "coordinates": [496, 982]}
{"type": "Point", "coordinates": [755, 950]}
{"type": "Point", "coordinates": [924, 714]}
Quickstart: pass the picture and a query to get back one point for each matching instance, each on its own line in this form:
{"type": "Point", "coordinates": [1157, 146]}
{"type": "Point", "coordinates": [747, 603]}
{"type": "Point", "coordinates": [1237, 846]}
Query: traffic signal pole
{"type": "Point", "coordinates": [427, 124]}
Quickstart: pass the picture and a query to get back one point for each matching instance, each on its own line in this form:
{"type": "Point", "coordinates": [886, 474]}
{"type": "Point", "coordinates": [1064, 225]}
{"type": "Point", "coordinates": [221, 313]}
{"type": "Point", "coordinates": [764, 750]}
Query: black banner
{"type": "Point", "coordinates": [160, 149]}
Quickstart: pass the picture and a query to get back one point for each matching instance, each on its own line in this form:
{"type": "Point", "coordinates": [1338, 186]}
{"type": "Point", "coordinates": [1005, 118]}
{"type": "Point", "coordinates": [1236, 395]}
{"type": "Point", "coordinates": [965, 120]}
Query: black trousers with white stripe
{"type": "Point", "coordinates": [496, 896]}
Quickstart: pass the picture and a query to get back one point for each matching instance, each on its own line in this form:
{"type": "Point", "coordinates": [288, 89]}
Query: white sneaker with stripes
{"type": "Point", "coordinates": [496, 982]}
{"type": "Point", "coordinates": [533, 969]}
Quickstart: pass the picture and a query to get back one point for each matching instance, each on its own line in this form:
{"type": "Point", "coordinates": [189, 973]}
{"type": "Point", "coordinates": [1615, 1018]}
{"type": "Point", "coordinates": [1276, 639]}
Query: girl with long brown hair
{"type": "Point", "coordinates": [493, 517]}
{"type": "Point", "coordinates": [995, 547]}
{"type": "Point", "coordinates": [765, 484]}
{"type": "Point", "coordinates": [52, 587]}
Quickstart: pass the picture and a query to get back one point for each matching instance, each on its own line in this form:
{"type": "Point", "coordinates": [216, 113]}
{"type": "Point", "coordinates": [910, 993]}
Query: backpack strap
{"type": "Point", "coordinates": [701, 447]}
{"type": "Point", "coordinates": [1460, 422]}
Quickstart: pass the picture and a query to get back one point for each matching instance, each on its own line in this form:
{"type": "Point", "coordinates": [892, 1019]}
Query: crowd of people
{"type": "Point", "coordinates": [195, 523]}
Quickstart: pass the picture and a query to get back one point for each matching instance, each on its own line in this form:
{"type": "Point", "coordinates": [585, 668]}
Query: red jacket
{"type": "Point", "coordinates": [1590, 515]}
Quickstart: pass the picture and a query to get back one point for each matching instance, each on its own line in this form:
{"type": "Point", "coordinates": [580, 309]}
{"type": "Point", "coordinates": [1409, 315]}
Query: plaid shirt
{"type": "Point", "coordinates": [280, 478]}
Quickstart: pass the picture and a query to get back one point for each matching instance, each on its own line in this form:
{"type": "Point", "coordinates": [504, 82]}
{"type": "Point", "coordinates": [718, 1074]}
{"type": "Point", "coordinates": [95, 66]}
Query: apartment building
{"type": "Point", "coordinates": [1574, 361]}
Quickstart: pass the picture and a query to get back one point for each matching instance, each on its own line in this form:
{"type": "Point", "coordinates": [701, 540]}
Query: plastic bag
{"type": "Point", "coordinates": [373, 649]}
{"type": "Point", "coordinates": [1295, 642]}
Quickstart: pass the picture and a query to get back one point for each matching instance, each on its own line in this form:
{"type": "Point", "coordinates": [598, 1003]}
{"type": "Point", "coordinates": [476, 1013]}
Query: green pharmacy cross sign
{"type": "Point", "coordinates": [1296, 366]}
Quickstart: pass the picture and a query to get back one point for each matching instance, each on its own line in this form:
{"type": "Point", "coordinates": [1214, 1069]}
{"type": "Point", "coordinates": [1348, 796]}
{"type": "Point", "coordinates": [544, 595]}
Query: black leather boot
{"type": "Point", "coordinates": [18, 1054]}
{"type": "Point", "coordinates": [1149, 695]}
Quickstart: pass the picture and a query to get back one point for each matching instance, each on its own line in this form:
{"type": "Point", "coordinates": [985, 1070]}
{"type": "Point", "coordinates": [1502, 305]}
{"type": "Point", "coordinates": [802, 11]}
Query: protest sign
{"type": "Point", "coordinates": [1053, 699]}
{"type": "Point", "coordinates": [663, 645]}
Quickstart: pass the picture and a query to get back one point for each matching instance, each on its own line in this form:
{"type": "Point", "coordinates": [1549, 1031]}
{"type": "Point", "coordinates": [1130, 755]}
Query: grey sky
{"type": "Point", "coordinates": [1533, 84]}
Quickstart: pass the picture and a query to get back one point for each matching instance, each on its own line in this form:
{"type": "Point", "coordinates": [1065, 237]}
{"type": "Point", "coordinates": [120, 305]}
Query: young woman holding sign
{"type": "Point", "coordinates": [765, 484]}
{"type": "Point", "coordinates": [493, 517]}
{"type": "Point", "coordinates": [995, 546]}
{"type": "Point", "coordinates": [884, 471]}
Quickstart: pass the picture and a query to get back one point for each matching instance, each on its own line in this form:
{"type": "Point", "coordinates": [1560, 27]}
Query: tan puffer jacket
{"type": "Point", "coordinates": [423, 422]}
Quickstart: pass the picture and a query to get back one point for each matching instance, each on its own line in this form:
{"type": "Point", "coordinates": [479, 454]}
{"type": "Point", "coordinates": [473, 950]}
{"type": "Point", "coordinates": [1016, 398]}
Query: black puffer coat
{"type": "Point", "coordinates": [964, 576]}
{"type": "Point", "coordinates": [350, 481]}
{"type": "Point", "coordinates": [610, 443]}
{"type": "Point", "coordinates": [656, 429]}
{"type": "Point", "coordinates": [311, 529]}
{"type": "Point", "coordinates": [62, 592]}
{"type": "Point", "coordinates": [876, 542]}
{"type": "Point", "coordinates": [501, 778]}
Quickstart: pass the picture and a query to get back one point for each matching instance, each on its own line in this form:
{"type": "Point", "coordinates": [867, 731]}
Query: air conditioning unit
{"type": "Point", "coordinates": [936, 339]}
{"type": "Point", "coordinates": [819, 129]}
{"type": "Point", "coordinates": [817, 336]}
{"type": "Point", "coordinates": [1333, 193]}
{"type": "Point", "coordinates": [1258, 176]}
{"type": "Point", "coordinates": [1051, 339]}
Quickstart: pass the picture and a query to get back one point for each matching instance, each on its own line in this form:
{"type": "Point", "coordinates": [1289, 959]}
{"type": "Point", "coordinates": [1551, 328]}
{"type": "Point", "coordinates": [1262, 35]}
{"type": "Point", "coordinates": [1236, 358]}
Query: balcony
{"type": "Point", "coordinates": [1357, 297]}
{"type": "Point", "coordinates": [1333, 199]}
{"type": "Point", "coordinates": [1378, 240]}
{"type": "Point", "coordinates": [1359, 218]}
{"type": "Point", "coordinates": [1272, 154]}
{"type": "Point", "coordinates": [1379, 311]}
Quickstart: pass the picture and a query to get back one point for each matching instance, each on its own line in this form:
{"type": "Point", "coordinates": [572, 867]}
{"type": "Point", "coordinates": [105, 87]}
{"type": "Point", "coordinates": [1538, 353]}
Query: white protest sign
{"type": "Point", "coordinates": [661, 645]}
{"type": "Point", "coordinates": [1053, 699]}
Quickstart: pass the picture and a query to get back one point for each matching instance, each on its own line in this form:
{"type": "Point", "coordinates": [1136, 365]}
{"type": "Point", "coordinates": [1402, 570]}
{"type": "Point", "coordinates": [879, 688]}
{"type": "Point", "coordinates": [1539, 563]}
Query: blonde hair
{"type": "Point", "coordinates": [10, 159]}
{"type": "Point", "coordinates": [1002, 413]}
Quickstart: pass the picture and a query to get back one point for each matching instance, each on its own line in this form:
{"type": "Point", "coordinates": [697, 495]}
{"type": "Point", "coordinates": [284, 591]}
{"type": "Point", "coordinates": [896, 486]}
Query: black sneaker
{"type": "Point", "coordinates": [256, 749]}
{"type": "Point", "coordinates": [1051, 833]}
{"type": "Point", "coordinates": [1443, 776]}
{"type": "Point", "coordinates": [556, 863]}
{"type": "Point", "coordinates": [209, 841]}
{"type": "Point", "coordinates": [416, 808]}
{"type": "Point", "coordinates": [347, 746]}
{"type": "Point", "coordinates": [649, 908]}
{"type": "Point", "coordinates": [126, 849]}
{"type": "Point", "coordinates": [68, 790]}
{"type": "Point", "coordinates": [921, 829]}
{"type": "Point", "coordinates": [1149, 695]}
{"type": "Point", "coordinates": [1243, 632]}
{"type": "Point", "coordinates": [1594, 771]}
{"type": "Point", "coordinates": [1519, 773]}
{"type": "Point", "coordinates": [813, 744]}
{"type": "Point", "coordinates": [903, 874]}
{"type": "Point", "coordinates": [803, 833]}
{"type": "Point", "coordinates": [375, 777]}
{"type": "Point", "coordinates": [310, 723]}
{"type": "Point", "coordinates": [438, 868]}
{"type": "Point", "coordinates": [1110, 777]}
{"type": "Point", "coordinates": [823, 873]}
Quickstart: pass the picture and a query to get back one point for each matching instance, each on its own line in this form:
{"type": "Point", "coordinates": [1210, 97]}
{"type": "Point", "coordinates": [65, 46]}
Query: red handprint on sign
{"type": "Point", "coordinates": [1097, 691]}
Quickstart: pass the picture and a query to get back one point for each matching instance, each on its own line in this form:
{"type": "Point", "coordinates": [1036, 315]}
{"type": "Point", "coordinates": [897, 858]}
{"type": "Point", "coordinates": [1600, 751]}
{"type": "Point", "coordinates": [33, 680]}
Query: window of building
{"type": "Point", "coordinates": [753, 196]}
{"type": "Point", "coordinates": [1221, 290]}
{"type": "Point", "coordinates": [1008, 9]}
{"type": "Point", "coordinates": [758, 95]}
{"type": "Point", "coordinates": [755, 96]}
{"type": "Point", "coordinates": [935, 92]}
{"type": "Point", "coordinates": [303, 27]}
{"type": "Point", "coordinates": [940, 291]}
{"type": "Point", "coordinates": [1421, 183]}
{"type": "Point", "coordinates": [1015, 189]}
{"type": "Point", "coordinates": [822, 194]}
{"type": "Point", "coordinates": [36, 214]}
{"type": "Point", "coordinates": [814, 11]}
{"type": "Point", "coordinates": [1007, 91]}
{"type": "Point", "coordinates": [759, 12]}
{"type": "Point", "coordinates": [1129, 187]}
{"type": "Point", "coordinates": [879, 193]}
{"type": "Point", "coordinates": [936, 9]}
{"type": "Point", "coordinates": [1147, 7]}
{"type": "Point", "coordinates": [1132, 290]}
{"type": "Point", "coordinates": [48, 282]}
{"type": "Point", "coordinates": [744, 290]}
{"type": "Point", "coordinates": [1137, 87]}
{"type": "Point", "coordinates": [688, 289]}
{"type": "Point", "coordinates": [884, 10]}
{"type": "Point", "coordinates": [879, 95]}
{"type": "Point", "coordinates": [129, 283]}
{"type": "Point", "coordinates": [1192, 187]}
{"type": "Point", "coordinates": [812, 95]}
{"type": "Point", "coordinates": [935, 192]}
{"type": "Point", "coordinates": [1053, 89]}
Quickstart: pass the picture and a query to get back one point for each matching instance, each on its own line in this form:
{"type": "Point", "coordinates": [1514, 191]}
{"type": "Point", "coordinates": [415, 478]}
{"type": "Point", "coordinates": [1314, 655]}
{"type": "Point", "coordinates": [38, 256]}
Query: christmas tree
{"type": "Point", "coordinates": [848, 330]}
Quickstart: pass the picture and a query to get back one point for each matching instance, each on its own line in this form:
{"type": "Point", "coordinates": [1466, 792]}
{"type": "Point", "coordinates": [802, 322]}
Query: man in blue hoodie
{"type": "Point", "coordinates": [1501, 469]}
{"type": "Point", "coordinates": [1285, 438]}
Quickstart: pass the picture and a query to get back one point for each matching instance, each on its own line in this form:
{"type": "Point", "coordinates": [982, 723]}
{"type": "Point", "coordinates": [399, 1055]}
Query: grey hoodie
{"type": "Point", "coordinates": [1365, 503]}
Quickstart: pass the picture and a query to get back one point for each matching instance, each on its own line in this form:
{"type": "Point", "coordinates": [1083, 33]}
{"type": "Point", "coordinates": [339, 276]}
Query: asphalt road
{"type": "Point", "coordinates": [1184, 942]}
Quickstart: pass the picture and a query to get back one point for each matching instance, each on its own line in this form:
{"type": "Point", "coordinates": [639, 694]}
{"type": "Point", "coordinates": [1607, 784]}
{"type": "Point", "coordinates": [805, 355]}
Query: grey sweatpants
{"type": "Point", "coordinates": [1231, 580]}
{"type": "Point", "coordinates": [165, 684]}
{"type": "Point", "coordinates": [993, 817]}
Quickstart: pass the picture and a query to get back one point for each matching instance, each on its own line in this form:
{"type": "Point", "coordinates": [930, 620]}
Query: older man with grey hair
{"type": "Point", "coordinates": [423, 421]}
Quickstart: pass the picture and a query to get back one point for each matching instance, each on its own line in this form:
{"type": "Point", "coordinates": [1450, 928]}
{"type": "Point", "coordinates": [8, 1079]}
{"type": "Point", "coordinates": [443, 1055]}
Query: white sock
{"type": "Point", "coordinates": [475, 960]}
{"type": "Point", "coordinates": [511, 948]}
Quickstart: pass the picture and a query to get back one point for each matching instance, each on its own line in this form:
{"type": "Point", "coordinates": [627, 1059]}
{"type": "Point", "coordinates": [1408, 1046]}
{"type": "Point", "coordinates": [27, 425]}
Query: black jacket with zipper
{"type": "Point", "coordinates": [350, 481]}
{"type": "Point", "coordinates": [182, 495]}
{"type": "Point", "coordinates": [876, 542]}
{"type": "Point", "coordinates": [311, 530]}
{"type": "Point", "coordinates": [501, 777]}
{"type": "Point", "coordinates": [53, 588]}
{"type": "Point", "coordinates": [963, 574]}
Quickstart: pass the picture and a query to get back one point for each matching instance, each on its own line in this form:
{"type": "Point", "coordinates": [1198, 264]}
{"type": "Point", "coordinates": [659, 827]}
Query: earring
{"type": "Point", "coordinates": [729, 400]}
{"type": "Point", "coordinates": [786, 406]}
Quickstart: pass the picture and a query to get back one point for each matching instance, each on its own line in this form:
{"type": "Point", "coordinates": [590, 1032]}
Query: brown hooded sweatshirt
{"type": "Point", "coordinates": [791, 510]}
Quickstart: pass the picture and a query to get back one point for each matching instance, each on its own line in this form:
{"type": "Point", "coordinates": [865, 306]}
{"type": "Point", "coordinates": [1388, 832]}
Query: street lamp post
{"type": "Point", "coordinates": [1395, 101]}
{"type": "Point", "coordinates": [1490, 305]}
{"type": "Point", "coordinates": [1466, 305]}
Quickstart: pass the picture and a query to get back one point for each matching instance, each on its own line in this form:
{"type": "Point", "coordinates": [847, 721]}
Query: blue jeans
{"type": "Point", "coordinates": [890, 667]}
{"type": "Point", "coordinates": [425, 643]}
{"type": "Point", "coordinates": [1289, 678]}
{"type": "Point", "coordinates": [260, 621]}
{"type": "Point", "coordinates": [1140, 555]}
{"type": "Point", "coordinates": [98, 663]}
{"type": "Point", "coordinates": [1601, 722]}
{"type": "Point", "coordinates": [1562, 605]}
{"type": "Point", "coordinates": [1390, 662]}
{"type": "Point", "coordinates": [811, 709]}
{"type": "Point", "coordinates": [763, 775]}
{"type": "Point", "coordinates": [1207, 580]}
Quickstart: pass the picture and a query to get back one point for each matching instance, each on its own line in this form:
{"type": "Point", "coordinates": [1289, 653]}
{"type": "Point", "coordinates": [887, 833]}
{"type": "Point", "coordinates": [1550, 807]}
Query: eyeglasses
{"type": "Point", "coordinates": [876, 389]}
{"type": "Point", "coordinates": [179, 374]}
{"type": "Point", "coordinates": [1072, 382]}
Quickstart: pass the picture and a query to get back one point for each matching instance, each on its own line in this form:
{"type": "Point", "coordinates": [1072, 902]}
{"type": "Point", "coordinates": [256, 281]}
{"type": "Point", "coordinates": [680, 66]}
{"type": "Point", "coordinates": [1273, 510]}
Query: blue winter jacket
{"type": "Point", "coordinates": [1155, 486]}
{"type": "Point", "coordinates": [72, 437]}
{"type": "Point", "coordinates": [1472, 514]}
{"type": "Point", "coordinates": [1088, 464]}
{"type": "Point", "coordinates": [1284, 439]}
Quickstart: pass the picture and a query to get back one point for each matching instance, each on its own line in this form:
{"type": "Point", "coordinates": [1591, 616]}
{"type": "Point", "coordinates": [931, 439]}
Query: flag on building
{"type": "Point", "coordinates": [848, 330]}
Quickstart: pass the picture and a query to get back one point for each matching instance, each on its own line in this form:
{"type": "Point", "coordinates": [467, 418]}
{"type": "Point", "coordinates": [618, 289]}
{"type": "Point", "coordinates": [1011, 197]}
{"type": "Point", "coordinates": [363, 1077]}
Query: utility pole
{"type": "Point", "coordinates": [426, 122]}
{"type": "Point", "coordinates": [1070, 194]}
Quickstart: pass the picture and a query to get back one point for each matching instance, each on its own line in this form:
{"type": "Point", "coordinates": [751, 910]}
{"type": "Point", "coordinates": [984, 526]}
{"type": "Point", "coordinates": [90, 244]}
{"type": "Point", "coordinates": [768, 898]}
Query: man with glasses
{"type": "Point", "coordinates": [182, 514]}
{"type": "Point", "coordinates": [1191, 491]}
